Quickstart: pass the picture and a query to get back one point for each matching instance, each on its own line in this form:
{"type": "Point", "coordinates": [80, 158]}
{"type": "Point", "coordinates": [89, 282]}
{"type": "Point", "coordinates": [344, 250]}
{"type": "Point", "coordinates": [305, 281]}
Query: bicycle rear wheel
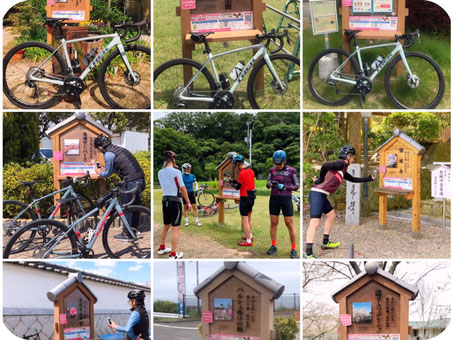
{"type": "Point", "coordinates": [327, 91]}
{"type": "Point", "coordinates": [44, 244]}
{"type": "Point", "coordinates": [23, 61]}
{"type": "Point", "coordinates": [13, 222]}
{"type": "Point", "coordinates": [80, 208]}
{"type": "Point", "coordinates": [117, 86]}
{"type": "Point", "coordinates": [169, 83]}
{"type": "Point", "coordinates": [206, 199]}
{"type": "Point", "coordinates": [269, 95]}
{"type": "Point", "coordinates": [140, 247]}
{"type": "Point", "coordinates": [425, 93]}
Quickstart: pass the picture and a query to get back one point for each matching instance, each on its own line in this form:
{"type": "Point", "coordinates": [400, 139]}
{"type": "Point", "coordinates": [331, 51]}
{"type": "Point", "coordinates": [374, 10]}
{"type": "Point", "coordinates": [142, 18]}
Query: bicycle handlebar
{"type": "Point", "coordinates": [132, 27]}
{"type": "Point", "coordinates": [271, 36]}
{"type": "Point", "coordinates": [69, 180]}
{"type": "Point", "coordinates": [134, 192]}
{"type": "Point", "coordinates": [410, 37]}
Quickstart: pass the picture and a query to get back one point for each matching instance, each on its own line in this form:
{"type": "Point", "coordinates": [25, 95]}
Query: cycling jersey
{"type": "Point", "coordinates": [189, 180]}
{"type": "Point", "coordinates": [332, 175]}
{"type": "Point", "coordinates": [247, 180]}
{"type": "Point", "coordinates": [286, 176]}
{"type": "Point", "coordinates": [137, 324]}
{"type": "Point", "coordinates": [170, 180]}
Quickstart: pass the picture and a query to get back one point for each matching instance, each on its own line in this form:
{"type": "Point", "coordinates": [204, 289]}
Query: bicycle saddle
{"type": "Point", "coordinates": [102, 201]}
{"type": "Point", "coordinates": [133, 24]}
{"type": "Point", "coordinates": [68, 200]}
{"type": "Point", "coordinates": [199, 37]}
{"type": "Point", "coordinates": [351, 33]}
{"type": "Point", "coordinates": [28, 183]}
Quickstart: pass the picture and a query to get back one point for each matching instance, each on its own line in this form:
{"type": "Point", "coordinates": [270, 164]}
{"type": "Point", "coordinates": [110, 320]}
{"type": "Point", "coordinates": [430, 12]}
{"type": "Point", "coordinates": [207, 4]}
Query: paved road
{"type": "Point", "coordinates": [177, 331]}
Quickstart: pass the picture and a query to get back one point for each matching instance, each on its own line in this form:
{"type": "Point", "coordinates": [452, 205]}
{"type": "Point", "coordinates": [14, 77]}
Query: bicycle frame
{"type": "Point", "coordinates": [116, 41]}
{"type": "Point", "coordinates": [211, 57]}
{"type": "Point", "coordinates": [112, 205]}
{"type": "Point", "coordinates": [398, 49]}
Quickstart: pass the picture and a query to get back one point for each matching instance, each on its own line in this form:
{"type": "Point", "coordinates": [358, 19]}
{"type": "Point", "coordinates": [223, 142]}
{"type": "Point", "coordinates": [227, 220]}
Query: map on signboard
{"type": "Point", "coordinates": [361, 6]}
{"type": "Point", "coordinates": [324, 16]}
{"type": "Point", "coordinates": [373, 23]}
{"type": "Point", "coordinates": [398, 183]}
{"type": "Point", "coordinates": [382, 6]}
{"type": "Point", "coordinates": [220, 22]}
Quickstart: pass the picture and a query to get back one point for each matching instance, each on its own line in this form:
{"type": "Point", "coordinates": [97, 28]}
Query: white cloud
{"type": "Point", "coordinates": [101, 271]}
{"type": "Point", "coordinates": [105, 263]}
{"type": "Point", "coordinates": [135, 268]}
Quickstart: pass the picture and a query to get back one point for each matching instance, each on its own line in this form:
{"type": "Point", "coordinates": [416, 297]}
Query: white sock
{"type": "Point", "coordinates": [251, 235]}
{"type": "Point", "coordinates": [196, 219]}
{"type": "Point", "coordinates": [187, 219]}
{"type": "Point", "coordinates": [249, 240]}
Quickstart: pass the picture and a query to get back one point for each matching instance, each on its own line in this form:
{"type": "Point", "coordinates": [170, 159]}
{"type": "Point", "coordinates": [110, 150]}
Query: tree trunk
{"type": "Point", "coordinates": [355, 133]}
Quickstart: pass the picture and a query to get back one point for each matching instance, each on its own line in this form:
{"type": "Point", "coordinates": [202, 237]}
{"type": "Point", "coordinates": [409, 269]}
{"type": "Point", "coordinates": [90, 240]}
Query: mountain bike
{"type": "Point", "coordinates": [56, 240]}
{"type": "Point", "coordinates": [184, 83]}
{"type": "Point", "coordinates": [205, 198]}
{"type": "Point", "coordinates": [37, 76]}
{"type": "Point", "coordinates": [16, 214]}
{"type": "Point", "coordinates": [335, 75]}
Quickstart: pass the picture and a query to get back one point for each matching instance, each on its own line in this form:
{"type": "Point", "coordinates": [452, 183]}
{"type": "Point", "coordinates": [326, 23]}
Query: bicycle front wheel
{"type": "Point", "coordinates": [80, 208]}
{"type": "Point", "coordinates": [118, 87]}
{"type": "Point", "coordinates": [326, 90]}
{"type": "Point", "coordinates": [16, 215]}
{"type": "Point", "coordinates": [169, 83]}
{"type": "Point", "coordinates": [424, 91]}
{"type": "Point", "coordinates": [49, 241]}
{"type": "Point", "coordinates": [206, 199]}
{"type": "Point", "coordinates": [269, 94]}
{"type": "Point", "coordinates": [22, 62]}
{"type": "Point", "coordinates": [113, 236]}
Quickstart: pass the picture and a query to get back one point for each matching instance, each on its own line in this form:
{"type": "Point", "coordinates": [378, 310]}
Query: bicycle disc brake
{"type": "Point", "coordinates": [413, 84]}
{"type": "Point", "coordinates": [129, 80]}
{"type": "Point", "coordinates": [223, 100]}
{"type": "Point", "coordinates": [277, 89]}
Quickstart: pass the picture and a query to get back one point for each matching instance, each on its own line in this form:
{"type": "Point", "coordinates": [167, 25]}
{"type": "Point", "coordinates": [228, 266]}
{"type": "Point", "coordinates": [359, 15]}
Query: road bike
{"type": "Point", "coordinates": [17, 214]}
{"type": "Point", "coordinates": [37, 76]}
{"type": "Point", "coordinates": [205, 198]}
{"type": "Point", "coordinates": [56, 240]}
{"type": "Point", "coordinates": [412, 80]}
{"type": "Point", "coordinates": [185, 83]}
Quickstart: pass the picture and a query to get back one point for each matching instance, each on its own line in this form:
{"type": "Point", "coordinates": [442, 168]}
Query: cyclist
{"type": "Point", "coordinates": [121, 161]}
{"type": "Point", "coordinates": [189, 180]}
{"type": "Point", "coordinates": [330, 179]}
{"type": "Point", "coordinates": [138, 324]}
{"type": "Point", "coordinates": [246, 186]}
{"type": "Point", "coordinates": [282, 180]}
{"type": "Point", "coordinates": [170, 179]}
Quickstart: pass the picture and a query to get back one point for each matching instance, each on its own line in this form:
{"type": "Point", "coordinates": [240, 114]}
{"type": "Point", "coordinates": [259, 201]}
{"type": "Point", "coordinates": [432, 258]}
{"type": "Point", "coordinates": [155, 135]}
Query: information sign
{"type": "Point", "coordinates": [361, 6]}
{"type": "Point", "coordinates": [441, 182]}
{"type": "Point", "coordinates": [382, 6]}
{"type": "Point", "coordinates": [324, 16]}
{"type": "Point", "coordinates": [219, 336]}
{"type": "Point", "coordinates": [398, 183]}
{"type": "Point", "coordinates": [346, 319]}
{"type": "Point", "coordinates": [78, 333]}
{"type": "Point", "coordinates": [188, 4]}
{"type": "Point", "coordinates": [78, 15]}
{"type": "Point", "coordinates": [373, 337]}
{"type": "Point", "coordinates": [207, 316]}
{"type": "Point", "coordinates": [181, 285]}
{"type": "Point", "coordinates": [373, 23]}
{"type": "Point", "coordinates": [220, 22]}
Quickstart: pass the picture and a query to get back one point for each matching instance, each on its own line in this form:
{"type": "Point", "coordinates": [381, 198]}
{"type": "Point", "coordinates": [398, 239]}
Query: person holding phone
{"type": "Point", "coordinates": [137, 327]}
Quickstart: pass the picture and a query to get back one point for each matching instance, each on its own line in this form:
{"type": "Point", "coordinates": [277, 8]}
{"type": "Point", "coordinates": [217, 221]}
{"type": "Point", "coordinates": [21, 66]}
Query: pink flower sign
{"type": "Point", "coordinates": [188, 4]}
{"type": "Point", "coordinates": [207, 316]}
{"type": "Point", "coordinates": [345, 319]}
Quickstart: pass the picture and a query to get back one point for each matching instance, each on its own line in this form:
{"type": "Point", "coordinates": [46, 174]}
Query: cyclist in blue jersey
{"type": "Point", "coordinates": [189, 181]}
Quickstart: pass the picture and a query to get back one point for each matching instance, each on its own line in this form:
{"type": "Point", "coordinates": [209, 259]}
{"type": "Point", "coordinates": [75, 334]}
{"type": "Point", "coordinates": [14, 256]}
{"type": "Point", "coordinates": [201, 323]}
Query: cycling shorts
{"type": "Point", "coordinates": [172, 211]}
{"type": "Point", "coordinates": [319, 204]}
{"type": "Point", "coordinates": [281, 203]}
{"type": "Point", "coordinates": [245, 205]}
{"type": "Point", "coordinates": [191, 198]}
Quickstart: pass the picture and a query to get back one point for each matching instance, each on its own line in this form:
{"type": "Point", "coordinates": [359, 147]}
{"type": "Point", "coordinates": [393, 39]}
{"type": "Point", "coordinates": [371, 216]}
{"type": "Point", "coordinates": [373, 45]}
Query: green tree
{"type": "Point", "coordinates": [111, 12]}
{"type": "Point", "coordinates": [122, 121]}
{"type": "Point", "coordinates": [20, 136]}
{"type": "Point", "coordinates": [28, 20]}
{"type": "Point", "coordinates": [49, 119]}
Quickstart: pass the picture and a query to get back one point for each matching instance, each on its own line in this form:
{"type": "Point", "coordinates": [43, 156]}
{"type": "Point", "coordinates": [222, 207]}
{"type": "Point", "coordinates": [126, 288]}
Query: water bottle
{"type": "Point", "coordinates": [237, 70]}
{"type": "Point", "coordinates": [89, 57]}
{"type": "Point", "coordinates": [377, 62]}
{"type": "Point", "coordinates": [224, 81]}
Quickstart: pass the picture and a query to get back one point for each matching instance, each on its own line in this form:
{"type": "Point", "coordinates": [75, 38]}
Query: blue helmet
{"type": "Point", "coordinates": [238, 159]}
{"type": "Point", "coordinates": [279, 157]}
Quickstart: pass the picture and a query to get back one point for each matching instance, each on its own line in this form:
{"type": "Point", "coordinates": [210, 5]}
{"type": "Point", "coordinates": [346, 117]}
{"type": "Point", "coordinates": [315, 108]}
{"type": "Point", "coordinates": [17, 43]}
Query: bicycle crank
{"type": "Point", "coordinates": [223, 100]}
{"type": "Point", "coordinates": [73, 87]}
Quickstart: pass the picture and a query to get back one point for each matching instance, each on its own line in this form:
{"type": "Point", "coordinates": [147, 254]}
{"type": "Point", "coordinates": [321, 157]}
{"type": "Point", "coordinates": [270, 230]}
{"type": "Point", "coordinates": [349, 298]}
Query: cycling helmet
{"type": "Point", "coordinates": [169, 155]}
{"type": "Point", "coordinates": [187, 166]}
{"type": "Point", "coordinates": [279, 157]}
{"type": "Point", "coordinates": [136, 294]}
{"type": "Point", "coordinates": [346, 150]}
{"type": "Point", "coordinates": [102, 140]}
{"type": "Point", "coordinates": [238, 159]}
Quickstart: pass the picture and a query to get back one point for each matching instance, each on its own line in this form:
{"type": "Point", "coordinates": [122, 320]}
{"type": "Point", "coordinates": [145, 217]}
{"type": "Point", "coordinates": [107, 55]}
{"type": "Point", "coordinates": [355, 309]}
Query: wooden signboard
{"type": "Point", "coordinates": [74, 10]}
{"type": "Point", "coordinates": [227, 172]}
{"type": "Point", "coordinates": [400, 174]}
{"type": "Point", "coordinates": [378, 19]}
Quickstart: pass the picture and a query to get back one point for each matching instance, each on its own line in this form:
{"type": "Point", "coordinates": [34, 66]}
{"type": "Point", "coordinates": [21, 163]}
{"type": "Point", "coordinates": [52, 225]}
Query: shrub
{"type": "Point", "coordinates": [427, 16]}
{"type": "Point", "coordinates": [285, 329]}
{"type": "Point", "coordinates": [165, 306]}
{"type": "Point", "coordinates": [28, 21]}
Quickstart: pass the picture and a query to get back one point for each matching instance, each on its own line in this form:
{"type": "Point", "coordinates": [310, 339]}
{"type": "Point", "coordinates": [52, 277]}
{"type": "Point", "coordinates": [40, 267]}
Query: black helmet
{"type": "Point", "coordinates": [169, 155]}
{"type": "Point", "coordinates": [102, 140]}
{"type": "Point", "coordinates": [346, 150]}
{"type": "Point", "coordinates": [136, 294]}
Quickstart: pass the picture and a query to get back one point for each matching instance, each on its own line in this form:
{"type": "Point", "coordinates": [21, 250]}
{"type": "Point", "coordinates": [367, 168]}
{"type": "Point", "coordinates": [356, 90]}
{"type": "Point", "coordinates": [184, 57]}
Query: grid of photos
{"type": "Point", "coordinates": [170, 173]}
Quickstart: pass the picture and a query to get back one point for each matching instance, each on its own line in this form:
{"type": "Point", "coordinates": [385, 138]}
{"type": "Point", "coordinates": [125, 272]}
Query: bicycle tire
{"type": "Point", "coordinates": [139, 248]}
{"type": "Point", "coordinates": [37, 248]}
{"type": "Point", "coordinates": [13, 89]}
{"type": "Point", "coordinates": [315, 81]}
{"type": "Point", "coordinates": [164, 92]}
{"type": "Point", "coordinates": [272, 97]}
{"type": "Point", "coordinates": [430, 89]}
{"type": "Point", "coordinates": [112, 92]}
{"type": "Point", "coordinates": [206, 199]}
{"type": "Point", "coordinates": [12, 209]}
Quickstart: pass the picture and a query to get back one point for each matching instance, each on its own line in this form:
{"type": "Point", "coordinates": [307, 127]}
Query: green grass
{"type": "Point", "coordinates": [229, 234]}
{"type": "Point", "coordinates": [435, 46]}
{"type": "Point", "coordinates": [167, 46]}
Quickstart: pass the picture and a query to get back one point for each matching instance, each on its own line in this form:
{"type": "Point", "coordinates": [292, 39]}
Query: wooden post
{"type": "Point", "coordinates": [416, 200]}
{"type": "Point", "coordinates": [221, 212]}
{"type": "Point", "coordinates": [383, 209]}
{"type": "Point", "coordinates": [343, 330]}
{"type": "Point", "coordinates": [404, 317]}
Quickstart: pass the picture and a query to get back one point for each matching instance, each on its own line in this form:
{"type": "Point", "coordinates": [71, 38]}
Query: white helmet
{"type": "Point", "coordinates": [186, 166]}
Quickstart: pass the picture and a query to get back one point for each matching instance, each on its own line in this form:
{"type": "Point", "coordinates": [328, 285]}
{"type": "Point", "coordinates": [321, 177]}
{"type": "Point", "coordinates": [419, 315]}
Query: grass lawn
{"type": "Point", "coordinates": [435, 46]}
{"type": "Point", "coordinates": [167, 45]}
{"type": "Point", "coordinates": [229, 234]}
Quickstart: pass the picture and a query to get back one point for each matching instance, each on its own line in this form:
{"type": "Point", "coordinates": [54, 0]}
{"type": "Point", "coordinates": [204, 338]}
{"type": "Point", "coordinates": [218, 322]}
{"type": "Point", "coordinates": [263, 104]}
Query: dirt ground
{"type": "Point", "coordinates": [371, 241]}
{"type": "Point", "coordinates": [197, 246]}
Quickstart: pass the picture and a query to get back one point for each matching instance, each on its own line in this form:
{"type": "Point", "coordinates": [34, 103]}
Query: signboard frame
{"type": "Point", "coordinates": [313, 18]}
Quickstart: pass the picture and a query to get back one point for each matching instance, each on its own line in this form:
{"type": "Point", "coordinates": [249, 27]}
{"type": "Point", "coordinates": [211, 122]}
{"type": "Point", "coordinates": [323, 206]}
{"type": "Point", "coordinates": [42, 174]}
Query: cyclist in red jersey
{"type": "Point", "coordinates": [246, 186]}
{"type": "Point", "coordinates": [330, 179]}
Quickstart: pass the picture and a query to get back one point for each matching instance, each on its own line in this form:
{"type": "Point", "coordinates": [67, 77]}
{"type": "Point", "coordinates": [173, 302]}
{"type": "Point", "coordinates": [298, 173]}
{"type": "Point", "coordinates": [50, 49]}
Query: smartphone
{"type": "Point", "coordinates": [98, 165]}
{"type": "Point", "coordinates": [109, 321]}
{"type": "Point", "coordinates": [374, 173]}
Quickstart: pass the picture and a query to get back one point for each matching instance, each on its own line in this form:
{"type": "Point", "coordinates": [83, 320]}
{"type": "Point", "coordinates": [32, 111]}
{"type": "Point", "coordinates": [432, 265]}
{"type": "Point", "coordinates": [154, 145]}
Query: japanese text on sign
{"type": "Point", "coordinates": [441, 182]}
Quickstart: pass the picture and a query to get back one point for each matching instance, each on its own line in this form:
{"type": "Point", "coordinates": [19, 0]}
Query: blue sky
{"type": "Point", "coordinates": [138, 272]}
